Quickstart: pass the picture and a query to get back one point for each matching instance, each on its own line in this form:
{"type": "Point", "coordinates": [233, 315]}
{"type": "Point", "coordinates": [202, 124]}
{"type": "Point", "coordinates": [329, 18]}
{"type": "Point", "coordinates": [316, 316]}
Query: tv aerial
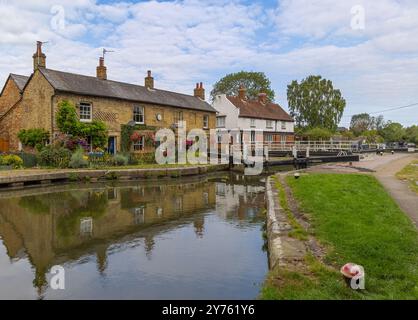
{"type": "Point", "coordinates": [106, 51]}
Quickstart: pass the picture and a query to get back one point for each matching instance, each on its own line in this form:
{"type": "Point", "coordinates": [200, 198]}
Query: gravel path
{"type": "Point", "coordinates": [399, 190]}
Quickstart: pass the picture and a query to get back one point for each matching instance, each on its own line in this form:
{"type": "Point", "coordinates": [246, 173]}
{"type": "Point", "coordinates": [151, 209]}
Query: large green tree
{"type": "Point", "coordinates": [364, 122]}
{"type": "Point", "coordinates": [254, 82]}
{"type": "Point", "coordinates": [412, 134]}
{"type": "Point", "coordinates": [315, 103]}
{"type": "Point", "coordinates": [393, 132]}
{"type": "Point", "coordinates": [361, 123]}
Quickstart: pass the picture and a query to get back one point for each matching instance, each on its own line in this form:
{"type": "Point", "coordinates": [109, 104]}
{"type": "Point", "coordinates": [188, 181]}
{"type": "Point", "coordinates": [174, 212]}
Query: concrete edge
{"type": "Point", "coordinates": [96, 175]}
{"type": "Point", "coordinates": [284, 250]}
{"type": "Point", "coordinates": [273, 229]}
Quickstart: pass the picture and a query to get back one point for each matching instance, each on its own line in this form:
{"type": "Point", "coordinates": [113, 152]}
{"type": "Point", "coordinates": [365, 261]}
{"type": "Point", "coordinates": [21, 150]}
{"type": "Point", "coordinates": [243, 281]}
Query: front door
{"type": "Point", "coordinates": [111, 145]}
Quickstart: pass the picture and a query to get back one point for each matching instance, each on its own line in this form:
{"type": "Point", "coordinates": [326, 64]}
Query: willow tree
{"type": "Point", "coordinates": [315, 103]}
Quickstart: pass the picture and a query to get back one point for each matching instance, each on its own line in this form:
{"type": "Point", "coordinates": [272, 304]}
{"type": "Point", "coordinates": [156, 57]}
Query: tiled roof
{"type": "Point", "coordinates": [256, 109]}
{"type": "Point", "coordinates": [92, 86]}
{"type": "Point", "coordinates": [19, 80]}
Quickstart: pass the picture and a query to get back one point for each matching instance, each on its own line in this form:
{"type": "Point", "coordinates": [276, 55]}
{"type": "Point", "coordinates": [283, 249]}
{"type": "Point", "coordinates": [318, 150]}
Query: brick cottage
{"type": "Point", "coordinates": [32, 102]}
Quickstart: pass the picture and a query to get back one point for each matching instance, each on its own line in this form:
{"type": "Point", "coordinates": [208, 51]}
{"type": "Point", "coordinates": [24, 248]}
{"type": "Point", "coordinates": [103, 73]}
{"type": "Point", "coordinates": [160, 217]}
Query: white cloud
{"type": "Point", "coordinates": [188, 41]}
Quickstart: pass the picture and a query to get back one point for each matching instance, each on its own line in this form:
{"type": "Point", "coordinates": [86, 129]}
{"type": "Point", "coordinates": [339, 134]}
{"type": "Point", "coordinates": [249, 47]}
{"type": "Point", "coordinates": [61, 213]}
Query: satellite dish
{"type": "Point", "coordinates": [132, 123]}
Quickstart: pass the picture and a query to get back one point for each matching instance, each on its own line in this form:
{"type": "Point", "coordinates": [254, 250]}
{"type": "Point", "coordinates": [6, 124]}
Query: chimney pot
{"type": "Point", "coordinates": [199, 91]}
{"type": "Point", "coordinates": [149, 80]}
{"type": "Point", "coordinates": [39, 58]}
{"type": "Point", "coordinates": [101, 70]}
{"type": "Point", "coordinates": [242, 93]}
{"type": "Point", "coordinates": [262, 97]}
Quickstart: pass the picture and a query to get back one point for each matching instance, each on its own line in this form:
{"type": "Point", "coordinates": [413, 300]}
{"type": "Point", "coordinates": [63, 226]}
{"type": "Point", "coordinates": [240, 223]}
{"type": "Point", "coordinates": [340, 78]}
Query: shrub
{"type": "Point", "coordinates": [318, 134]}
{"type": "Point", "coordinates": [67, 118]}
{"type": "Point", "coordinates": [120, 160]}
{"type": "Point", "coordinates": [33, 137]}
{"type": "Point", "coordinates": [97, 131]}
{"type": "Point", "coordinates": [55, 157]}
{"type": "Point", "coordinates": [98, 159]}
{"type": "Point", "coordinates": [78, 160]}
{"type": "Point", "coordinates": [143, 158]}
{"type": "Point", "coordinates": [11, 160]}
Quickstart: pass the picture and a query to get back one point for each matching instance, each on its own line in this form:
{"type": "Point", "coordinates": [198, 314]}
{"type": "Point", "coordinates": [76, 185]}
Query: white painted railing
{"type": "Point", "coordinates": [331, 146]}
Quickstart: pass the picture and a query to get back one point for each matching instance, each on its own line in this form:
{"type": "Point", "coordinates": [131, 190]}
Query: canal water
{"type": "Point", "coordinates": [175, 239]}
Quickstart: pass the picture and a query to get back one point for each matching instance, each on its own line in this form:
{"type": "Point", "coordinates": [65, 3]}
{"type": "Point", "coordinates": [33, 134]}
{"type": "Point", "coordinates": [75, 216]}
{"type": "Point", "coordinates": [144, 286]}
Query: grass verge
{"type": "Point", "coordinates": [357, 221]}
{"type": "Point", "coordinates": [410, 173]}
{"type": "Point", "coordinates": [297, 230]}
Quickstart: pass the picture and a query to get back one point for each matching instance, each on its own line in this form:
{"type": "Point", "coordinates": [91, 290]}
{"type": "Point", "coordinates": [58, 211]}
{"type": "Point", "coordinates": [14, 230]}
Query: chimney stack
{"type": "Point", "coordinates": [101, 70]}
{"type": "Point", "coordinates": [39, 58]}
{"type": "Point", "coordinates": [199, 91]}
{"type": "Point", "coordinates": [262, 97]}
{"type": "Point", "coordinates": [149, 80]}
{"type": "Point", "coordinates": [242, 93]}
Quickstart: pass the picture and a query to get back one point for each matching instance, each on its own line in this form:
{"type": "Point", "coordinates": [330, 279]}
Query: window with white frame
{"type": "Point", "coordinates": [283, 139]}
{"type": "Point", "coordinates": [139, 215]}
{"type": "Point", "coordinates": [85, 112]}
{"type": "Point", "coordinates": [139, 144]}
{"type": "Point", "coordinates": [220, 189]}
{"type": "Point", "coordinates": [269, 124]}
{"type": "Point", "coordinates": [269, 138]}
{"type": "Point", "coordinates": [220, 122]}
{"type": "Point", "coordinates": [252, 123]}
{"type": "Point", "coordinates": [178, 204]}
{"type": "Point", "coordinates": [138, 115]}
{"type": "Point", "coordinates": [86, 226]}
{"type": "Point", "coordinates": [178, 118]}
{"type": "Point", "coordinates": [283, 125]}
{"type": "Point", "coordinates": [205, 121]}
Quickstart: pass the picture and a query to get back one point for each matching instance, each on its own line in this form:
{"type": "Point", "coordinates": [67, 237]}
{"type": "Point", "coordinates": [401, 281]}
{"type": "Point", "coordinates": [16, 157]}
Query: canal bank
{"type": "Point", "coordinates": [284, 234]}
{"type": "Point", "coordinates": [22, 178]}
{"type": "Point", "coordinates": [348, 217]}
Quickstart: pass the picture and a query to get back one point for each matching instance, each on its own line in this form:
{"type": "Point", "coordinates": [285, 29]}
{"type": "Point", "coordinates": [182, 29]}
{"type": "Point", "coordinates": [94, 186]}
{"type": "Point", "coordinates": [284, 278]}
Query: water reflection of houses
{"type": "Point", "coordinates": [240, 201]}
{"type": "Point", "coordinates": [53, 228]}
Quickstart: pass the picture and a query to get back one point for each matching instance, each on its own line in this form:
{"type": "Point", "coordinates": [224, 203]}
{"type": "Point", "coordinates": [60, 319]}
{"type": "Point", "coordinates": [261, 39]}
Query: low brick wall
{"type": "Point", "coordinates": [19, 181]}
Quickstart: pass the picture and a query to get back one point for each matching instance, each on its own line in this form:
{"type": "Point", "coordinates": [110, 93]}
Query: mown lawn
{"type": "Point", "coordinates": [410, 173]}
{"type": "Point", "coordinates": [357, 221]}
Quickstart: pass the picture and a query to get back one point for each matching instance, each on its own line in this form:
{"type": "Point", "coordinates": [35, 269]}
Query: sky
{"type": "Point", "coordinates": [368, 48]}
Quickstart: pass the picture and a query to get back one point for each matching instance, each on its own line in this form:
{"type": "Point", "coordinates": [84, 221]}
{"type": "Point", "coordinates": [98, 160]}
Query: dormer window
{"type": "Point", "coordinates": [85, 112]}
{"type": "Point", "coordinates": [138, 115]}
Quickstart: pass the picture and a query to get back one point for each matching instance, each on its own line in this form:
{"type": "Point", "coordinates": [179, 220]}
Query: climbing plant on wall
{"type": "Point", "coordinates": [127, 131]}
{"type": "Point", "coordinates": [68, 123]}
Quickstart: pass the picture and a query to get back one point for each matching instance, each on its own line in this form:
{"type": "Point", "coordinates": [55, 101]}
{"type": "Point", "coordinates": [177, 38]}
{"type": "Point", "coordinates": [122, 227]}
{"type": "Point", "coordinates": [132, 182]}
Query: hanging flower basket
{"type": "Point", "coordinates": [135, 137]}
{"type": "Point", "coordinates": [150, 139]}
